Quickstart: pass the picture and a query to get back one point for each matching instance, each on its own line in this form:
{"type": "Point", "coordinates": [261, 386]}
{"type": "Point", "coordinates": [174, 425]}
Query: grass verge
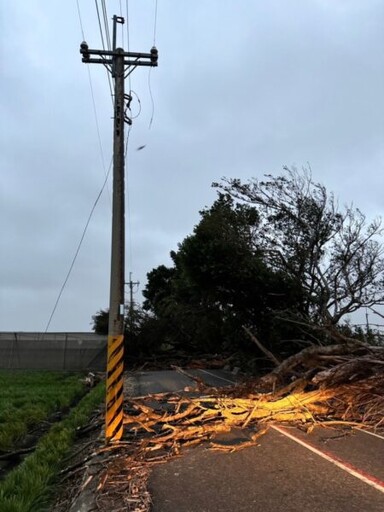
{"type": "Point", "coordinates": [28, 398]}
{"type": "Point", "coordinates": [28, 487]}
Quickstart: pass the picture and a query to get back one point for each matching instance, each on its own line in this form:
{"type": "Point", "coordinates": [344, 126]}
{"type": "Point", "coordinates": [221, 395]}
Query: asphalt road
{"type": "Point", "coordinates": [168, 380]}
{"type": "Point", "coordinates": [326, 471]}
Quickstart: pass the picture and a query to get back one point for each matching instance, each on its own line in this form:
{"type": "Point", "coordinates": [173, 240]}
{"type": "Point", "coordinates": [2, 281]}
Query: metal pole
{"type": "Point", "coordinates": [115, 358]}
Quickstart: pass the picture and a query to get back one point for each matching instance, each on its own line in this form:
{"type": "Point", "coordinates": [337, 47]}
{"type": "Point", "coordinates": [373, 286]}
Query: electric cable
{"type": "Point", "coordinates": [98, 196]}
{"type": "Point", "coordinates": [128, 205]}
{"type": "Point", "coordinates": [100, 28]}
{"type": "Point", "coordinates": [94, 106]}
{"type": "Point", "coordinates": [139, 102]}
{"type": "Point", "coordinates": [77, 250]}
{"type": "Point", "coordinates": [98, 130]}
{"type": "Point", "coordinates": [122, 27]}
{"type": "Point", "coordinates": [150, 69]}
{"type": "Point", "coordinates": [106, 24]}
{"type": "Point", "coordinates": [155, 25]}
{"type": "Point", "coordinates": [103, 45]}
{"type": "Point", "coordinates": [80, 21]}
{"type": "Point", "coordinates": [151, 96]}
{"type": "Point", "coordinates": [127, 190]}
{"type": "Point", "coordinates": [128, 45]}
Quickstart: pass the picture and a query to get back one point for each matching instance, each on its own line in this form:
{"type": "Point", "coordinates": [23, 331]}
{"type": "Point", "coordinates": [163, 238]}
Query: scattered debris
{"type": "Point", "coordinates": [92, 379]}
{"type": "Point", "coordinates": [330, 385]}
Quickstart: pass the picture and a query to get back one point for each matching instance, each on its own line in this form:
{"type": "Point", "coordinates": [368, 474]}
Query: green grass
{"type": "Point", "coordinates": [28, 397]}
{"type": "Point", "coordinates": [28, 487]}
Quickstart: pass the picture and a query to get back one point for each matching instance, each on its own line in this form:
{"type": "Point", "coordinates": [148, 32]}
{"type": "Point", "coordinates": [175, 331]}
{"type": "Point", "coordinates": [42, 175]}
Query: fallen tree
{"type": "Point", "coordinates": [336, 385]}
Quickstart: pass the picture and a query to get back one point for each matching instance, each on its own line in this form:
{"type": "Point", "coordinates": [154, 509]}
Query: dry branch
{"type": "Point", "coordinates": [267, 352]}
{"type": "Point", "coordinates": [334, 385]}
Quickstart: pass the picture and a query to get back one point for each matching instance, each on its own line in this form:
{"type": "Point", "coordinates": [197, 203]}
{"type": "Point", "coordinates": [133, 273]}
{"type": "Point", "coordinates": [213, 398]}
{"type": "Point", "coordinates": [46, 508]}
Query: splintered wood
{"type": "Point", "coordinates": [339, 384]}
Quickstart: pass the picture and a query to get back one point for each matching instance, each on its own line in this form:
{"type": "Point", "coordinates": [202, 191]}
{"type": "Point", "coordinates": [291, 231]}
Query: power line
{"type": "Point", "coordinates": [149, 72]}
{"type": "Point", "coordinates": [101, 30]}
{"type": "Point", "coordinates": [106, 24]}
{"type": "Point", "coordinates": [128, 211]}
{"type": "Point", "coordinates": [128, 49]}
{"type": "Point", "coordinates": [103, 45]}
{"type": "Point", "coordinates": [98, 196]}
{"type": "Point", "coordinates": [152, 101]}
{"type": "Point", "coordinates": [127, 189]}
{"type": "Point", "coordinates": [81, 23]}
{"type": "Point", "coordinates": [155, 25]}
{"type": "Point", "coordinates": [98, 129]}
{"type": "Point", "coordinates": [78, 249]}
{"type": "Point", "coordinates": [94, 102]}
{"type": "Point", "coordinates": [122, 28]}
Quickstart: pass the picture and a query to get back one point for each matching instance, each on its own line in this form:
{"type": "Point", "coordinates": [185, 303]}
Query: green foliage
{"type": "Point", "coordinates": [141, 330]}
{"type": "Point", "coordinates": [277, 256]}
{"type": "Point", "coordinates": [100, 322]}
{"type": "Point", "coordinates": [218, 283]}
{"type": "Point", "coordinates": [28, 398]}
{"type": "Point", "coordinates": [28, 487]}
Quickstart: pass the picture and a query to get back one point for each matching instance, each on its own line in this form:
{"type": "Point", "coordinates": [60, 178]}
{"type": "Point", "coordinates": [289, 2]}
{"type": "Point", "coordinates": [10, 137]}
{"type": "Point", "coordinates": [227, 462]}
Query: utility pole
{"type": "Point", "coordinates": [131, 285]}
{"type": "Point", "coordinates": [367, 323]}
{"type": "Point", "coordinates": [120, 64]}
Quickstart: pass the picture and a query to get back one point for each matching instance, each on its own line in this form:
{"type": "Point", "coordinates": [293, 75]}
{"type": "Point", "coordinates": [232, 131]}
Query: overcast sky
{"type": "Point", "coordinates": [242, 89]}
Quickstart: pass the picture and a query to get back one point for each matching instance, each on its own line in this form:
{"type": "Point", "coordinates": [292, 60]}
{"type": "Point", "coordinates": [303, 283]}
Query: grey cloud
{"type": "Point", "coordinates": [241, 89]}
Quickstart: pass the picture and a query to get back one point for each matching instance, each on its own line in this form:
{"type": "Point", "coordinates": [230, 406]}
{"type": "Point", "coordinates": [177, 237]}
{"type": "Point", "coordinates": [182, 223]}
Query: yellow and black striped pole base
{"type": "Point", "coordinates": [114, 398]}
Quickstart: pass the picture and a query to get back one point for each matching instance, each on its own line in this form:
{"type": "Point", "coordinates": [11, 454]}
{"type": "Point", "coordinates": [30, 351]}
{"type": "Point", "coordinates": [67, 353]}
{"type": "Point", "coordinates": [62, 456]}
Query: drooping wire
{"type": "Point", "coordinates": [152, 101]}
{"type": "Point", "coordinates": [98, 196]}
{"type": "Point", "coordinates": [78, 249]}
{"type": "Point", "coordinates": [139, 103]}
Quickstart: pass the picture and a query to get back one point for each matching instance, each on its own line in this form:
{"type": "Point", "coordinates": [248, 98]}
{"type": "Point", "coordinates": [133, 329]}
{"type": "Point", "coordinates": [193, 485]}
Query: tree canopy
{"type": "Point", "coordinates": [220, 282]}
{"type": "Point", "coordinates": [334, 255]}
{"type": "Point", "coordinates": [275, 257]}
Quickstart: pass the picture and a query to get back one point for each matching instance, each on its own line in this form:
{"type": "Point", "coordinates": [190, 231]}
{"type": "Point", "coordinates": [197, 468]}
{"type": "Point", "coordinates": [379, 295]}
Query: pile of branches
{"type": "Point", "coordinates": [338, 384]}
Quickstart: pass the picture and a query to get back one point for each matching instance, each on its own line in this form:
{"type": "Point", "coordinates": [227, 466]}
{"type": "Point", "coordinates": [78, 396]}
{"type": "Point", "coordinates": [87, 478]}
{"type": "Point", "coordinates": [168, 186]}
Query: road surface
{"type": "Point", "coordinates": [326, 471]}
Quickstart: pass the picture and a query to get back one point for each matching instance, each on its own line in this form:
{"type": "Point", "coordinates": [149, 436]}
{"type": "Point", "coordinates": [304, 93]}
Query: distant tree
{"type": "Point", "coordinates": [141, 330]}
{"type": "Point", "coordinates": [335, 256]}
{"type": "Point", "coordinates": [100, 322]}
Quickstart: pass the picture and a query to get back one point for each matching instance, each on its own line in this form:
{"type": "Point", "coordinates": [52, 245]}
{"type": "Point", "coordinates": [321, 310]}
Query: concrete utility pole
{"type": "Point", "coordinates": [131, 285]}
{"type": "Point", "coordinates": [120, 64]}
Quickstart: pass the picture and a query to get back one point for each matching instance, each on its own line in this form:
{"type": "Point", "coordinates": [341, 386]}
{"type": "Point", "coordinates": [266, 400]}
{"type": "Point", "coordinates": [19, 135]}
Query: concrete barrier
{"type": "Point", "coordinates": [53, 351]}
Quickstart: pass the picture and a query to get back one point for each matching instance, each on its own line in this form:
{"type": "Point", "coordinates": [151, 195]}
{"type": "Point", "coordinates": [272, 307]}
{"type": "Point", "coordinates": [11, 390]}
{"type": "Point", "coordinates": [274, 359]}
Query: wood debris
{"type": "Point", "coordinates": [332, 385]}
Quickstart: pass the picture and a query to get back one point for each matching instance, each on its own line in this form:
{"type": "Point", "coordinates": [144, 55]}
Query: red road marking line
{"type": "Point", "coordinates": [346, 466]}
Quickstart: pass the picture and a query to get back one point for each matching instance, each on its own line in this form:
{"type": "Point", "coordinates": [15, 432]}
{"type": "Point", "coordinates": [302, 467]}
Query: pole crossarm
{"type": "Point", "coordinates": [141, 59]}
